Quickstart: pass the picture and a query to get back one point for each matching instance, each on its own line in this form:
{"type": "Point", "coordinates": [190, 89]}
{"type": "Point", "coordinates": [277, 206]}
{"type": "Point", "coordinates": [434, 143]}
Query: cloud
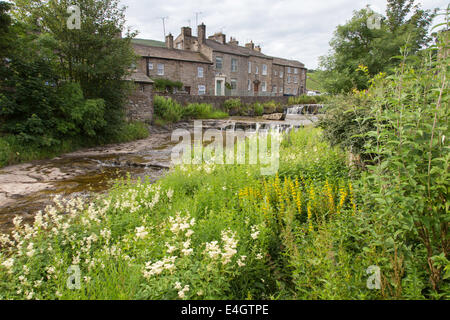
{"type": "Point", "coordinates": [293, 29]}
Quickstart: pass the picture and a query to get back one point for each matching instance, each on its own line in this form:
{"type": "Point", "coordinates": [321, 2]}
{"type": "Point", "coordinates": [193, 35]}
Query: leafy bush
{"type": "Point", "coordinates": [166, 85]}
{"type": "Point", "coordinates": [202, 111]}
{"type": "Point", "coordinates": [304, 99]}
{"type": "Point", "coordinates": [259, 109]}
{"type": "Point", "coordinates": [232, 104]}
{"type": "Point", "coordinates": [346, 123]}
{"type": "Point", "coordinates": [167, 109]}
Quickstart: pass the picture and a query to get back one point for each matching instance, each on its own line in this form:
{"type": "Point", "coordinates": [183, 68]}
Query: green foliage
{"type": "Point", "coordinates": [166, 85]}
{"type": "Point", "coordinates": [167, 109]}
{"type": "Point", "coordinates": [93, 57]}
{"type": "Point", "coordinates": [346, 123]}
{"type": "Point", "coordinates": [304, 99]}
{"type": "Point", "coordinates": [259, 109]}
{"type": "Point", "coordinates": [232, 104]}
{"type": "Point", "coordinates": [202, 111]}
{"type": "Point", "coordinates": [356, 44]}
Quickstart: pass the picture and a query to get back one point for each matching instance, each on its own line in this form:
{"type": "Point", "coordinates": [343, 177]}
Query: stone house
{"type": "Point", "coordinates": [140, 102]}
{"type": "Point", "coordinates": [226, 67]}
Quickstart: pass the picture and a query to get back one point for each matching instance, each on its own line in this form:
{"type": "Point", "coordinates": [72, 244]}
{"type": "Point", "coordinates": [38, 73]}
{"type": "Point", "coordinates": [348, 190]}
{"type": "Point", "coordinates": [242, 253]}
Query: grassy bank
{"type": "Point", "coordinates": [13, 150]}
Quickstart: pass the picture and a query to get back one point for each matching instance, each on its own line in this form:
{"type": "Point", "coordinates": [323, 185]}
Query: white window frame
{"type": "Point", "coordinates": [281, 74]}
{"type": "Point", "coordinates": [249, 85]}
{"type": "Point", "coordinates": [281, 90]}
{"type": "Point", "coordinates": [289, 78]}
{"type": "Point", "coordinates": [221, 63]}
{"type": "Point", "coordinates": [200, 72]}
{"type": "Point", "coordinates": [295, 79]}
{"type": "Point", "coordinates": [274, 89]}
{"type": "Point", "coordinates": [249, 67]}
{"type": "Point", "coordinates": [295, 71]}
{"type": "Point", "coordinates": [201, 89]}
{"type": "Point", "coordinates": [289, 70]}
{"type": "Point", "coordinates": [264, 86]}
{"type": "Point", "coordinates": [234, 65]}
{"type": "Point", "coordinates": [256, 70]}
{"type": "Point", "coordinates": [160, 69]}
{"type": "Point", "coordinates": [150, 65]}
{"type": "Point", "coordinates": [264, 70]}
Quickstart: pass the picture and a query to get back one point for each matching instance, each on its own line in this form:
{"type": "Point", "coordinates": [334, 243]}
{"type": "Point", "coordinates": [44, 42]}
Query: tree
{"type": "Point", "coordinates": [95, 56]}
{"type": "Point", "coordinates": [356, 43]}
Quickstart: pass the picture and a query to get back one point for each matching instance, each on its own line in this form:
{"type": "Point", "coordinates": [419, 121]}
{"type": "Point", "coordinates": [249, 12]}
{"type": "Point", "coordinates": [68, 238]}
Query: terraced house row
{"type": "Point", "coordinates": [213, 66]}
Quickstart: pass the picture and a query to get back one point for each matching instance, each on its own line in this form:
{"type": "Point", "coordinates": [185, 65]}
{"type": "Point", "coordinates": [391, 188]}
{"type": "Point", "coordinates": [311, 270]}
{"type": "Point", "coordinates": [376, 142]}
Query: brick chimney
{"type": "Point", "coordinates": [233, 42]}
{"type": "Point", "coordinates": [258, 48]}
{"type": "Point", "coordinates": [219, 37]}
{"type": "Point", "coordinates": [201, 33]}
{"type": "Point", "coordinates": [186, 31]}
{"type": "Point", "coordinates": [169, 41]}
{"type": "Point", "coordinates": [250, 45]}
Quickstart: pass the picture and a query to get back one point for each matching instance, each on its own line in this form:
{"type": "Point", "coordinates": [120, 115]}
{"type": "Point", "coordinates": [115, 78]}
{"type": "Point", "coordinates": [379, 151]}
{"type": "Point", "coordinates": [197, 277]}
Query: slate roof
{"type": "Point", "coordinates": [138, 76]}
{"type": "Point", "coordinates": [289, 63]}
{"type": "Point", "coordinates": [157, 49]}
{"type": "Point", "coordinates": [170, 54]}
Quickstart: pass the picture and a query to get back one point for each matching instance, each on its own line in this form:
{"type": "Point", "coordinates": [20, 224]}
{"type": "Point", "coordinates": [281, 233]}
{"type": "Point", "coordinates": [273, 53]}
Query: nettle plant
{"type": "Point", "coordinates": [407, 186]}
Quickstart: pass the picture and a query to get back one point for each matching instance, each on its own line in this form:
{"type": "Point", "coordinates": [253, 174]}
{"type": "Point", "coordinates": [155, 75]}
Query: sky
{"type": "Point", "coordinates": [291, 29]}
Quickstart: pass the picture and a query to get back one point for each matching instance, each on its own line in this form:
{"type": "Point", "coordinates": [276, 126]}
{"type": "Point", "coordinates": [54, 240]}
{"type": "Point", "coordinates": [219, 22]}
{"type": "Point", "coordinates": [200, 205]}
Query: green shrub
{"type": "Point", "coordinates": [5, 152]}
{"type": "Point", "coordinates": [258, 109]}
{"type": "Point", "coordinates": [232, 104]}
{"type": "Point", "coordinates": [166, 85]}
{"type": "Point", "coordinates": [167, 109]}
{"type": "Point", "coordinates": [202, 111]}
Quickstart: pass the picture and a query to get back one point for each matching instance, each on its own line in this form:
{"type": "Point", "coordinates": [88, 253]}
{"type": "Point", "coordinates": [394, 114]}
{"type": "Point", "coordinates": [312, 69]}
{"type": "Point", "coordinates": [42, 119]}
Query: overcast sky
{"type": "Point", "coordinates": [292, 29]}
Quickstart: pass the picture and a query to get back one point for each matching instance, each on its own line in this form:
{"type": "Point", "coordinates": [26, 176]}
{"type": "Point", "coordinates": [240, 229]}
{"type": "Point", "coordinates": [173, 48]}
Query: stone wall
{"type": "Point", "coordinates": [140, 104]}
{"type": "Point", "coordinates": [218, 101]}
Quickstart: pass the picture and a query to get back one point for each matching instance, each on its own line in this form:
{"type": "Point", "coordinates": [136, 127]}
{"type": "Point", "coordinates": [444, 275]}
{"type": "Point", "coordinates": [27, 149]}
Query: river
{"type": "Point", "coordinates": [29, 187]}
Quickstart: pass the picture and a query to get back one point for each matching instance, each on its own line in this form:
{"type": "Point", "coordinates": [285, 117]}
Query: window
{"type": "Point", "coordinates": [179, 45]}
{"type": "Point", "coordinates": [288, 90]}
{"type": "Point", "coordinates": [264, 86]}
{"type": "Point", "coordinates": [281, 90]}
{"type": "Point", "coordinates": [295, 91]}
{"type": "Point", "coordinates": [234, 65]}
{"type": "Point", "coordinates": [201, 89]}
{"type": "Point", "coordinates": [289, 69]}
{"type": "Point", "coordinates": [200, 72]}
{"type": "Point", "coordinates": [160, 69]}
{"type": "Point", "coordinates": [281, 74]}
{"type": "Point", "coordinates": [219, 61]}
{"type": "Point", "coordinates": [295, 70]}
{"type": "Point", "coordinates": [256, 70]}
{"type": "Point", "coordinates": [264, 70]}
{"type": "Point", "coordinates": [233, 84]}
{"type": "Point", "coordinates": [150, 66]}
{"type": "Point", "coordinates": [289, 79]}
{"type": "Point", "coordinates": [249, 67]}
{"type": "Point", "coordinates": [295, 79]}
{"type": "Point", "coordinates": [275, 72]}
{"type": "Point", "coordinates": [274, 89]}
{"type": "Point", "coordinates": [249, 85]}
